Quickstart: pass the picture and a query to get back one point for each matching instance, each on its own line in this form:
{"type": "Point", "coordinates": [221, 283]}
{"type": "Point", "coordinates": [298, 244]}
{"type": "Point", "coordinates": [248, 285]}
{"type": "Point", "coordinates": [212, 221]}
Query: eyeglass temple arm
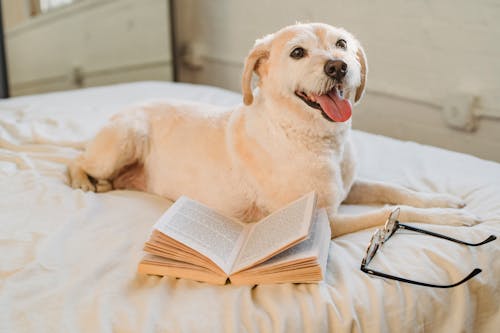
{"type": "Point", "coordinates": [430, 233]}
{"type": "Point", "coordinates": [475, 272]}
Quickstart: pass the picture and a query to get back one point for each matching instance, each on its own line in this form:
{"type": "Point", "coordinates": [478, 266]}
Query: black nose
{"type": "Point", "coordinates": [336, 69]}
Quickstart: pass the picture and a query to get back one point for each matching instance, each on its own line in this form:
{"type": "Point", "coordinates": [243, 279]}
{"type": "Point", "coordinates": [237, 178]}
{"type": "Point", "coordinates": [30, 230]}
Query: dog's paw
{"type": "Point", "coordinates": [440, 200]}
{"type": "Point", "coordinates": [80, 180]}
{"type": "Point", "coordinates": [103, 185]}
{"type": "Point", "coordinates": [460, 217]}
{"type": "Point", "coordinates": [82, 183]}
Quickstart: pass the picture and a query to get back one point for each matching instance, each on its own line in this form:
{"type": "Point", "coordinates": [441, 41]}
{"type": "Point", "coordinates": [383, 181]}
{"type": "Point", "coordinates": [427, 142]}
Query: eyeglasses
{"type": "Point", "coordinates": [391, 226]}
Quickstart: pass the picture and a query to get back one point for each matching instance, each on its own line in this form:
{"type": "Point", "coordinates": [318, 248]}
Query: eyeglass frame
{"type": "Point", "coordinates": [391, 226]}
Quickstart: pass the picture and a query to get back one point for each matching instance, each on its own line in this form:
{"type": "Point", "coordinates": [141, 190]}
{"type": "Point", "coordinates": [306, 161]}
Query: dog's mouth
{"type": "Point", "coordinates": [332, 104]}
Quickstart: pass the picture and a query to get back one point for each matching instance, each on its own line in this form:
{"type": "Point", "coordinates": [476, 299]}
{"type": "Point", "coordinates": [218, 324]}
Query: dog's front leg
{"type": "Point", "coordinates": [344, 223]}
{"type": "Point", "coordinates": [371, 192]}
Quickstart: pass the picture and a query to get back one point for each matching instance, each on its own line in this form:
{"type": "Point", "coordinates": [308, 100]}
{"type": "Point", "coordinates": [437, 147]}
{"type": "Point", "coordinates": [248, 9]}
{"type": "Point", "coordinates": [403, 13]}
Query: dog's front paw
{"type": "Point", "coordinates": [441, 200]}
{"type": "Point", "coordinates": [461, 217]}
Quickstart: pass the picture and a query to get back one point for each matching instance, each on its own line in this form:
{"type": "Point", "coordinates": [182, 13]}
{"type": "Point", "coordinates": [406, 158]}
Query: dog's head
{"type": "Point", "coordinates": [316, 69]}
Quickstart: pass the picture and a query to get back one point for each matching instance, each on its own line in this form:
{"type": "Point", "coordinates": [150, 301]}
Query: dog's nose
{"type": "Point", "coordinates": [336, 69]}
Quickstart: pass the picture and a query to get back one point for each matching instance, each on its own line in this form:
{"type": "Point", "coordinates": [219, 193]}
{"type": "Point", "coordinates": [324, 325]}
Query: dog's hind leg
{"type": "Point", "coordinates": [371, 192]}
{"type": "Point", "coordinates": [343, 223]}
{"type": "Point", "coordinates": [117, 145]}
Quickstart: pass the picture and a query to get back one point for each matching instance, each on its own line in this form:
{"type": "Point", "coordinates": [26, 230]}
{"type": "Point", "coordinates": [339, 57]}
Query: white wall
{"type": "Point", "coordinates": [93, 42]}
{"type": "Point", "coordinates": [420, 54]}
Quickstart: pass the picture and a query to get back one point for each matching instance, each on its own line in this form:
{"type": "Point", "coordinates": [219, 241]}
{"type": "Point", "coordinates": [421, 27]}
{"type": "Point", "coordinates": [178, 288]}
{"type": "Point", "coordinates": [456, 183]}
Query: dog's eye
{"type": "Point", "coordinates": [341, 43]}
{"type": "Point", "coordinates": [298, 53]}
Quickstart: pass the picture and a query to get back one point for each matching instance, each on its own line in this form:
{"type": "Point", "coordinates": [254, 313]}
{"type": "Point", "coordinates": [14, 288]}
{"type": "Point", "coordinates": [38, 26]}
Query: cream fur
{"type": "Point", "coordinates": [252, 159]}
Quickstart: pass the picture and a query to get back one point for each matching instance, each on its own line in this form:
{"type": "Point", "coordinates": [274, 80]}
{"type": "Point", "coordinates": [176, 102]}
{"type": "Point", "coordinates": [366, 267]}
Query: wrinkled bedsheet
{"type": "Point", "coordinates": [68, 259]}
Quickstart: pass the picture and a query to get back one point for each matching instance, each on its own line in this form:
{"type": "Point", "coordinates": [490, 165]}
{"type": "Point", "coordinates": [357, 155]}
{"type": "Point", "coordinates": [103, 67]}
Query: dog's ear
{"type": "Point", "coordinates": [255, 59]}
{"type": "Point", "coordinates": [363, 71]}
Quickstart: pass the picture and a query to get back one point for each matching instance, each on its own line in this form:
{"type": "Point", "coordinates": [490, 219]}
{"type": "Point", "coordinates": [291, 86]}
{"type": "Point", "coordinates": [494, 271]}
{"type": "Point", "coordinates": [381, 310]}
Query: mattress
{"type": "Point", "coordinates": [68, 259]}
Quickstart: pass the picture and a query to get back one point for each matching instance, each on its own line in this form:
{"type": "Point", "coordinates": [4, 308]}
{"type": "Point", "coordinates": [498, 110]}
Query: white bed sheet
{"type": "Point", "coordinates": [68, 258]}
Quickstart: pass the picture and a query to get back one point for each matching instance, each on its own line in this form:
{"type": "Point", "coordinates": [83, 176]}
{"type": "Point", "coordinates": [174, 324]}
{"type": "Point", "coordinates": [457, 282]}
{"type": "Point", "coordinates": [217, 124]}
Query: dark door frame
{"type": "Point", "coordinates": [4, 82]}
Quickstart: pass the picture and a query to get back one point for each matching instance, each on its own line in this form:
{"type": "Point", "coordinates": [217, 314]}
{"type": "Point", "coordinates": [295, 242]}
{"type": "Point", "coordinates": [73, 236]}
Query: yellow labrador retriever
{"type": "Point", "coordinates": [291, 136]}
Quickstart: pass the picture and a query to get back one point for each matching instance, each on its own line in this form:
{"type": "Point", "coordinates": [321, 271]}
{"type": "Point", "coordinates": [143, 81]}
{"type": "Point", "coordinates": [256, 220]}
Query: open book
{"type": "Point", "coordinates": [192, 241]}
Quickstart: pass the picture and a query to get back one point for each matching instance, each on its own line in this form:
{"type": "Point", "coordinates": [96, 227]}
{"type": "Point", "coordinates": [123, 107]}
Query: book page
{"type": "Point", "coordinates": [302, 263]}
{"type": "Point", "coordinates": [156, 265]}
{"type": "Point", "coordinates": [325, 237]}
{"type": "Point", "coordinates": [312, 247]}
{"type": "Point", "coordinates": [277, 232]}
{"type": "Point", "coordinates": [215, 236]}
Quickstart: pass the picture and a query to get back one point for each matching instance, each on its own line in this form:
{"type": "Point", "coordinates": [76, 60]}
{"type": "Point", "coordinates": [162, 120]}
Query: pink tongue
{"type": "Point", "coordinates": [336, 108]}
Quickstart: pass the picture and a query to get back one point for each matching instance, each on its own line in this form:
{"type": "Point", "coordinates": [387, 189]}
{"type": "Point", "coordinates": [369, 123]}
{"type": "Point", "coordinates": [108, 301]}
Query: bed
{"type": "Point", "coordinates": [68, 259]}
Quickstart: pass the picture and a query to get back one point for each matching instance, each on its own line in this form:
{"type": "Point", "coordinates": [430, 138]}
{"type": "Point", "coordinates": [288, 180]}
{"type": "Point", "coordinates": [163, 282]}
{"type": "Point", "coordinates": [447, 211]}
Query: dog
{"type": "Point", "coordinates": [290, 136]}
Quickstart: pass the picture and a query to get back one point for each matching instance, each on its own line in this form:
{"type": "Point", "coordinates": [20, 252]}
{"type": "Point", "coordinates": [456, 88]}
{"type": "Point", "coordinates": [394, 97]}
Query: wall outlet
{"type": "Point", "coordinates": [460, 111]}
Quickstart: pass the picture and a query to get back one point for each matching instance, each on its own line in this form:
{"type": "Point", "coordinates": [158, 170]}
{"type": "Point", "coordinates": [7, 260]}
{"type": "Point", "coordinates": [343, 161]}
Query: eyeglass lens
{"type": "Point", "coordinates": [391, 224]}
